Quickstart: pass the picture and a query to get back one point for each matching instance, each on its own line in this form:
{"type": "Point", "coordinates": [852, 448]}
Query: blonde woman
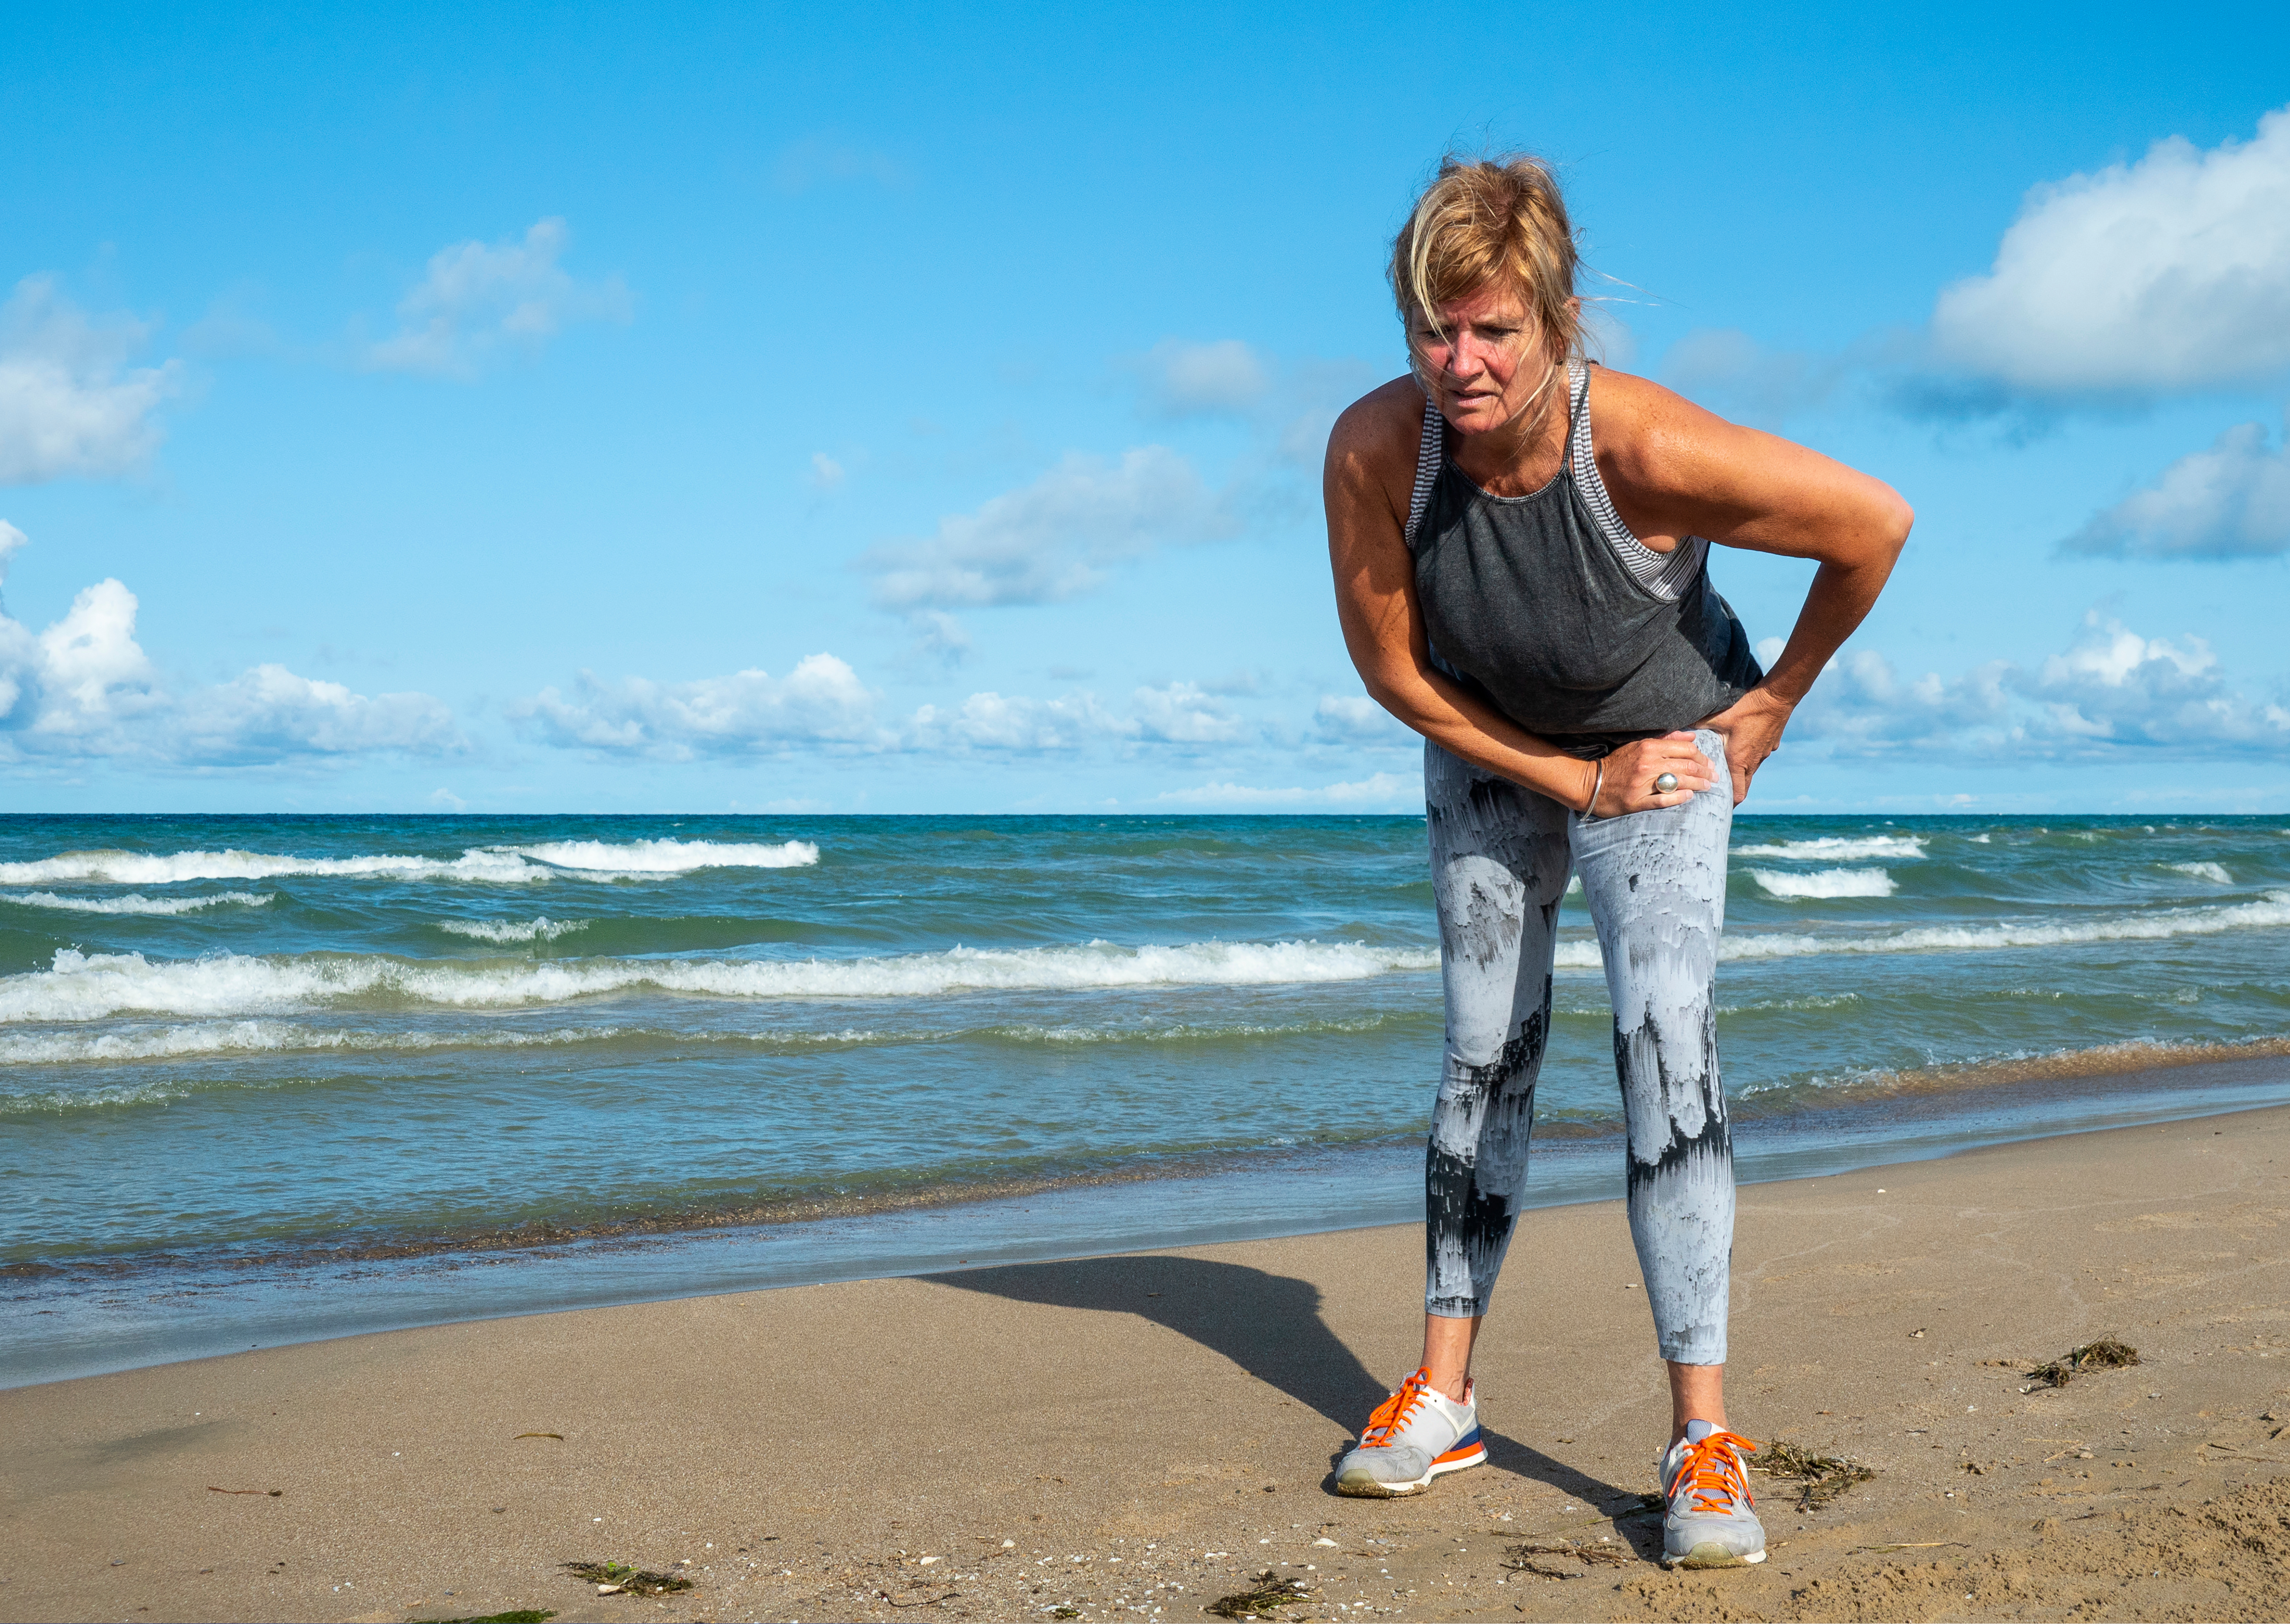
{"type": "Point", "coordinates": [1521, 546]}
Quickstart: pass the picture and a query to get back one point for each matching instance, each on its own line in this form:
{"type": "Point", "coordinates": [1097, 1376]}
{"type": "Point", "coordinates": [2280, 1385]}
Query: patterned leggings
{"type": "Point", "coordinates": [1655, 882]}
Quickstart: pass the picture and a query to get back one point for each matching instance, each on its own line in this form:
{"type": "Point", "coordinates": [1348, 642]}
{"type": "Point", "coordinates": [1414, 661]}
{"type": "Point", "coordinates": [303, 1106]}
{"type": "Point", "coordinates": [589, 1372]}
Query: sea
{"type": "Point", "coordinates": [266, 1079]}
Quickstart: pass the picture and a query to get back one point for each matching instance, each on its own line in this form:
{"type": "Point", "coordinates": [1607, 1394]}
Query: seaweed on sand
{"type": "Point", "coordinates": [1271, 1591]}
{"type": "Point", "coordinates": [1824, 1476]}
{"type": "Point", "coordinates": [2107, 1353]}
{"type": "Point", "coordinates": [523, 1615]}
{"type": "Point", "coordinates": [635, 1580]}
{"type": "Point", "coordinates": [1584, 1553]}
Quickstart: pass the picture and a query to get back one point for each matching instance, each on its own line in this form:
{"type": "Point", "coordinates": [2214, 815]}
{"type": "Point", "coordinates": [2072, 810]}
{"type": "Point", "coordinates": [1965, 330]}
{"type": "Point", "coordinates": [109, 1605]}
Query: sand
{"type": "Point", "coordinates": [1137, 1436]}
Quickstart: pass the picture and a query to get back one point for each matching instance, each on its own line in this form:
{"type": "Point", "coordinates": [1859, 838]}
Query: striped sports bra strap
{"type": "Point", "coordinates": [1430, 450]}
{"type": "Point", "coordinates": [1578, 410]}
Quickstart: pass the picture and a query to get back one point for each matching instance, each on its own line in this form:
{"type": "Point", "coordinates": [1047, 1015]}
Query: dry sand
{"type": "Point", "coordinates": [1137, 1436]}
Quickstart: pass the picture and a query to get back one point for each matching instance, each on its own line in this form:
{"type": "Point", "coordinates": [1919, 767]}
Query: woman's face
{"type": "Point", "coordinates": [1485, 362]}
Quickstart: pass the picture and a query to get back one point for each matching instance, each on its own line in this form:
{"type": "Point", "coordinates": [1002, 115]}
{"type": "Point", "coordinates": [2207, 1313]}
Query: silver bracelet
{"type": "Point", "coordinates": [1590, 807]}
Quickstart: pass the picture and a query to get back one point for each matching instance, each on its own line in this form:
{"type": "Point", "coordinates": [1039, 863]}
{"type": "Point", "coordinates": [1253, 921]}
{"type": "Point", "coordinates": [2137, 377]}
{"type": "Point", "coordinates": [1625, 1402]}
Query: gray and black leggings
{"type": "Point", "coordinates": [1655, 882]}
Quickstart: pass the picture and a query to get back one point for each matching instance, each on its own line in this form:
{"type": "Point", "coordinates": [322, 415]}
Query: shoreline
{"type": "Point", "coordinates": [1786, 1109]}
{"type": "Point", "coordinates": [1100, 1437]}
{"type": "Point", "coordinates": [109, 1319]}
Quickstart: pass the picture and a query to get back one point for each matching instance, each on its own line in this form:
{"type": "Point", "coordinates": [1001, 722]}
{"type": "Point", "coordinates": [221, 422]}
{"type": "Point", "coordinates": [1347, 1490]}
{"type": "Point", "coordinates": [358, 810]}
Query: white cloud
{"type": "Point", "coordinates": [1183, 713]}
{"type": "Point", "coordinates": [69, 402]}
{"type": "Point", "coordinates": [2169, 274]}
{"type": "Point", "coordinates": [1182, 380]}
{"type": "Point", "coordinates": [1384, 791]}
{"type": "Point", "coordinates": [940, 636]}
{"type": "Point", "coordinates": [991, 722]}
{"type": "Point", "coordinates": [823, 705]}
{"type": "Point", "coordinates": [480, 299]}
{"type": "Point", "coordinates": [269, 713]}
{"type": "Point", "coordinates": [826, 473]}
{"type": "Point", "coordinates": [83, 687]}
{"type": "Point", "coordinates": [821, 702]}
{"type": "Point", "coordinates": [2111, 690]}
{"type": "Point", "coordinates": [2230, 501]}
{"type": "Point", "coordinates": [1052, 540]}
{"type": "Point", "coordinates": [1354, 718]}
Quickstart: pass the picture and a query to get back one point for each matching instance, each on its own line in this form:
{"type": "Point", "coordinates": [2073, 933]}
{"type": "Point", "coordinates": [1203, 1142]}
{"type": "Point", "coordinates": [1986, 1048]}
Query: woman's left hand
{"type": "Point", "coordinates": [1751, 727]}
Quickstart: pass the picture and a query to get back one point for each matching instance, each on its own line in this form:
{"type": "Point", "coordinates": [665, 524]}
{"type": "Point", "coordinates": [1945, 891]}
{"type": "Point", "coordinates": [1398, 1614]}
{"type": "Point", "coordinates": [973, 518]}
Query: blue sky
{"type": "Point", "coordinates": [875, 409]}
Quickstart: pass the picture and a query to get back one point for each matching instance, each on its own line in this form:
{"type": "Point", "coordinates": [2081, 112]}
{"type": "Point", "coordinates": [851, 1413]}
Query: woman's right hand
{"type": "Point", "coordinates": [1632, 769]}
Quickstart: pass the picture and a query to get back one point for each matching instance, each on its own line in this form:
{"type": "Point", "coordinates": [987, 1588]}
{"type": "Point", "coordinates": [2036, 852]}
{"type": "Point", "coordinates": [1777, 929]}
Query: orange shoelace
{"type": "Point", "coordinates": [1392, 1413]}
{"type": "Point", "coordinates": [1714, 1470]}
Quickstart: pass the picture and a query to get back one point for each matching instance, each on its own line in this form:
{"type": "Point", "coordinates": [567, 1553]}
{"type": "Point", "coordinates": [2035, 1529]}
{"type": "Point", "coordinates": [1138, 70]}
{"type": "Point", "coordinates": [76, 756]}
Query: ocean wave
{"type": "Point", "coordinates": [2213, 872]}
{"type": "Point", "coordinates": [1190, 1033]}
{"type": "Point", "coordinates": [134, 904]}
{"type": "Point", "coordinates": [263, 1037]}
{"type": "Point", "coordinates": [668, 856]}
{"type": "Point", "coordinates": [174, 867]}
{"type": "Point", "coordinates": [84, 987]}
{"type": "Point", "coordinates": [1826, 883]}
{"type": "Point", "coordinates": [2271, 912]}
{"type": "Point", "coordinates": [589, 859]}
{"type": "Point", "coordinates": [543, 929]}
{"type": "Point", "coordinates": [256, 1037]}
{"type": "Point", "coordinates": [2130, 1055]}
{"type": "Point", "coordinates": [1840, 848]}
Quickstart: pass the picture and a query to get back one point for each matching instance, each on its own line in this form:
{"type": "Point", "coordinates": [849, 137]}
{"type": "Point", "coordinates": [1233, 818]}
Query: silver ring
{"type": "Point", "coordinates": [1667, 782]}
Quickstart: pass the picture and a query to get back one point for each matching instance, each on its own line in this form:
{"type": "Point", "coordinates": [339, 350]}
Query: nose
{"type": "Point", "coordinates": [1463, 359]}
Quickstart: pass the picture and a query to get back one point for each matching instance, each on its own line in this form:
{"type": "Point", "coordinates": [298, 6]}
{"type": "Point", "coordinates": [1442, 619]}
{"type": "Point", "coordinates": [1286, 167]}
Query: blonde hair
{"type": "Point", "coordinates": [1491, 222]}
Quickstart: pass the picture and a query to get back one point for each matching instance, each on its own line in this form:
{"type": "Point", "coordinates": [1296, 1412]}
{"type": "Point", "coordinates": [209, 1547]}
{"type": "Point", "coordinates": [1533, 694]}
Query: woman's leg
{"type": "Point", "coordinates": [1655, 882]}
{"type": "Point", "coordinates": [1499, 866]}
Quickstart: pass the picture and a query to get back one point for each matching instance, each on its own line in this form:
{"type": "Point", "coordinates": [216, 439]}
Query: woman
{"type": "Point", "coordinates": [1520, 548]}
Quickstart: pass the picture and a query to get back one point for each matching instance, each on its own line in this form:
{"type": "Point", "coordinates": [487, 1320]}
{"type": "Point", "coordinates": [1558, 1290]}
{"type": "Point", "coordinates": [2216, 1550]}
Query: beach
{"type": "Point", "coordinates": [1139, 1435]}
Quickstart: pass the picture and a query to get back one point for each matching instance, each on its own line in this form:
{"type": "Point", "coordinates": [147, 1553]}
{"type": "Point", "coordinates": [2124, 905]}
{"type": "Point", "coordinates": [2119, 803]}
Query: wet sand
{"type": "Point", "coordinates": [1118, 1437]}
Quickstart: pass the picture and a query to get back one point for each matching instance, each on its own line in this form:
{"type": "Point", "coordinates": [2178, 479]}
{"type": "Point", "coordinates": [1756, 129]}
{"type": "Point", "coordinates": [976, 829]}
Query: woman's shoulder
{"type": "Point", "coordinates": [1384, 423]}
{"type": "Point", "coordinates": [1372, 446]}
{"type": "Point", "coordinates": [1648, 437]}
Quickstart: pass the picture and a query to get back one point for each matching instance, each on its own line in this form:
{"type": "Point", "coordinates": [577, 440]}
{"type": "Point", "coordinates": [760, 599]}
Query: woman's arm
{"type": "Point", "coordinates": [1370, 473]}
{"type": "Point", "coordinates": [1675, 471]}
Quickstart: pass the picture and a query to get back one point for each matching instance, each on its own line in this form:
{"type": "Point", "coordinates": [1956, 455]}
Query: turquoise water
{"type": "Point", "coordinates": [257, 1045]}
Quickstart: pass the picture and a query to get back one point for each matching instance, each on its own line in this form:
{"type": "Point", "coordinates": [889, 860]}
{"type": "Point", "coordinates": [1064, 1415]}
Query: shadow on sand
{"type": "Point", "coordinates": [1268, 1325]}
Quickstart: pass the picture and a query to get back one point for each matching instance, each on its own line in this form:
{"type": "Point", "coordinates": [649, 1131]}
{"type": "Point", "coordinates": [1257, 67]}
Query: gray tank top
{"type": "Point", "coordinates": [1551, 609]}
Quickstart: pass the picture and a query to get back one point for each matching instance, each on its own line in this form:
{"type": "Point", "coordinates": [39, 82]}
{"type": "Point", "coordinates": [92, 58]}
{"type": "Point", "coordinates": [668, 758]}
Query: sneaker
{"type": "Point", "coordinates": [1710, 1522]}
{"type": "Point", "coordinates": [1413, 1436]}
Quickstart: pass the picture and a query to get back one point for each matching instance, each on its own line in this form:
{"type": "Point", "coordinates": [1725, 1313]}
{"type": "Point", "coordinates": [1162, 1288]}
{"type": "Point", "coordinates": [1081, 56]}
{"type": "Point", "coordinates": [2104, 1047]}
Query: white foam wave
{"type": "Point", "coordinates": [589, 859]}
{"type": "Point", "coordinates": [134, 904]}
{"type": "Point", "coordinates": [1841, 848]}
{"type": "Point", "coordinates": [1826, 883]}
{"type": "Point", "coordinates": [88, 986]}
{"type": "Point", "coordinates": [668, 856]}
{"type": "Point", "coordinates": [2273, 913]}
{"type": "Point", "coordinates": [2213, 872]}
{"type": "Point", "coordinates": [174, 868]}
{"type": "Point", "coordinates": [261, 1037]}
{"type": "Point", "coordinates": [230, 1037]}
{"type": "Point", "coordinates": [543, 929]}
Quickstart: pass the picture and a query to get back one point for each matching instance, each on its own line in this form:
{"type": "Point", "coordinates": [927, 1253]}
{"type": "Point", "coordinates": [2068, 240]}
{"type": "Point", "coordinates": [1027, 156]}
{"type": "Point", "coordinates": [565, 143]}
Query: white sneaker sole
{"type": "Point", "coordinates": [1709, 1553]}
{"type": "Point", "coordinates": [1358, 1483]}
